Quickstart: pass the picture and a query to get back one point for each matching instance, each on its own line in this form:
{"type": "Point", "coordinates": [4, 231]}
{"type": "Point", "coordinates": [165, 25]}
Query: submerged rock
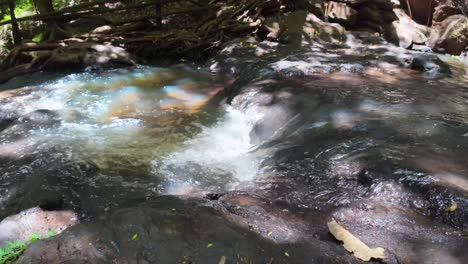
{"type": "Point", "coordinates": [431, 65]}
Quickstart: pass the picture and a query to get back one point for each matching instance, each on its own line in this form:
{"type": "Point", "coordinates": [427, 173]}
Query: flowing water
{"type": "Point", "coordinates": [122, 134]}
{"type": "Point", "coordinates": [95, 142]}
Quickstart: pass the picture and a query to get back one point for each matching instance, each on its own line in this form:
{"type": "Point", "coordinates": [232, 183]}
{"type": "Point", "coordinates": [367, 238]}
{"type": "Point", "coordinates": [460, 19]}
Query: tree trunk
{"type": "Point", "coordinates": [14, 25]}
{"type": "Point", "coordinates": [52, 30]}
{"type": "Point", "coordinates": [44, 6]}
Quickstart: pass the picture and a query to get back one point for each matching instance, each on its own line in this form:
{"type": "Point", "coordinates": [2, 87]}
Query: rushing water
{"type": "Point", "coordinates": [137, 133]}
{"type": "Point", "coordinates": [387, 138]}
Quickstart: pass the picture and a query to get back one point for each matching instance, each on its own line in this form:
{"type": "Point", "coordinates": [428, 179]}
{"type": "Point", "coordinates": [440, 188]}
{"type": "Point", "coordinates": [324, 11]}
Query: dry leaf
{"type": "Point", "coordinates": [353, 244]}
{"type": "Point", "coordinates": [222, 260]}
{"type": "Point", "coordinates": [452, 208]}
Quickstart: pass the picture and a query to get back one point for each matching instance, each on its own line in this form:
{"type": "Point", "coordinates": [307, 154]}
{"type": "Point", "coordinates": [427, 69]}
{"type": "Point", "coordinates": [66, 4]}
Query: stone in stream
{"type": "Point", "coordinates": [430, 65]}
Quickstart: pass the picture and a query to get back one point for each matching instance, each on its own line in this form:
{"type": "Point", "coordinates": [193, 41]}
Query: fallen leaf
{"type": "Point", "coordinates": [209, 245]}
{"type": "Point", "coordinates": [269, 233]}
{"type": "Point", "coordinates": [286, 254]}
{"type": "Point", "coordinates": [222, 260]}
{"type": "Point", "coordinates": [134, 236]}
{"type": "Point", "coordinates": [452, 208]}
{"type": "Point", "coordinates": [353, 244]}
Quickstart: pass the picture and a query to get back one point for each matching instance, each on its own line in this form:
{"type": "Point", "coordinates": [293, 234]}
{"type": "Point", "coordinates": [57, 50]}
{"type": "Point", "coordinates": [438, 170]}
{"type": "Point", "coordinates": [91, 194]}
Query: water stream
{"type": "Point", "coordinates": [97, 142]}
{"type": "Point", "coordinates": [148, 131]}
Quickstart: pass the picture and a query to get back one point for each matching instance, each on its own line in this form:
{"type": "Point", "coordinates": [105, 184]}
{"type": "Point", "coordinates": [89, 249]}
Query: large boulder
{"type": "Point", "coordinates": [450, 36]}
{"type": "Point", "coordinates": [341, 13]}
{"type": "Point", "coordinates": [405, 31]}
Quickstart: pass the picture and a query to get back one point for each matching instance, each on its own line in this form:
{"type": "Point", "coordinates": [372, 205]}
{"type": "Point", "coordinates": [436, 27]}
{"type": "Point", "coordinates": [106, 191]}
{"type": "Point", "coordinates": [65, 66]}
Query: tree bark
{"type": "Point", "coordinates": [14, 24]}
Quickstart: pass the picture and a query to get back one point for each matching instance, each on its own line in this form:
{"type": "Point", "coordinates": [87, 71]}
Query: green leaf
{"type": "Point", "coordinates": [34, 237]}
{"type": "Point", "coordinates": [135, 236]}
{"type": "Point", "coordinates": [209, 245]}
{"type": "Point", "coordinates": [286, 254]}
{"type": "Point", "coordinates": [51, 233]}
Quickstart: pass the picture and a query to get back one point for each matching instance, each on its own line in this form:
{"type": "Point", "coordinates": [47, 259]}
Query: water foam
{"type": "Point", "coordinates": [218, 156]}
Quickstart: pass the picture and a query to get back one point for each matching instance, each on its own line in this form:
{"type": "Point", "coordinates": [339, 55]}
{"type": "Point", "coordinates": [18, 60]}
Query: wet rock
{"type": "Point", "coordinates": [316, 29]}
{"type": "Point", "coordinates": [25, 124]}
{"type": "Point", "coordinates": [406, 236]}
{"type": "Point", "coordinates": [6, 119]}
{"type": "Point", "coordinates": [422, 48]}
{"type": "Point", "coordinates": [34, 221]}
{"type": "Point", "coordinates": [271, 104]}
{"type": "Point", "coordinates": [430, 65]}
{"type": "Point", "coordinates": [441, 12]}
{"type": "Point", "coordinates": [450, 36]}
{"type": "Point", "coordinates": [84, 243]}
{"type": "Point", "coordinates": [40, 118]}
{"type": "Point", "coordinates": [341, 13]}
{"type": "Point", "coordinates": [173, 230]}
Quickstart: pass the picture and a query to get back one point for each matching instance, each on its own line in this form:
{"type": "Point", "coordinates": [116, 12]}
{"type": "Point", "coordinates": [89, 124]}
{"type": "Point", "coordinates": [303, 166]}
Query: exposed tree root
{"type": "Point", "coordinates": [221, 21]}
